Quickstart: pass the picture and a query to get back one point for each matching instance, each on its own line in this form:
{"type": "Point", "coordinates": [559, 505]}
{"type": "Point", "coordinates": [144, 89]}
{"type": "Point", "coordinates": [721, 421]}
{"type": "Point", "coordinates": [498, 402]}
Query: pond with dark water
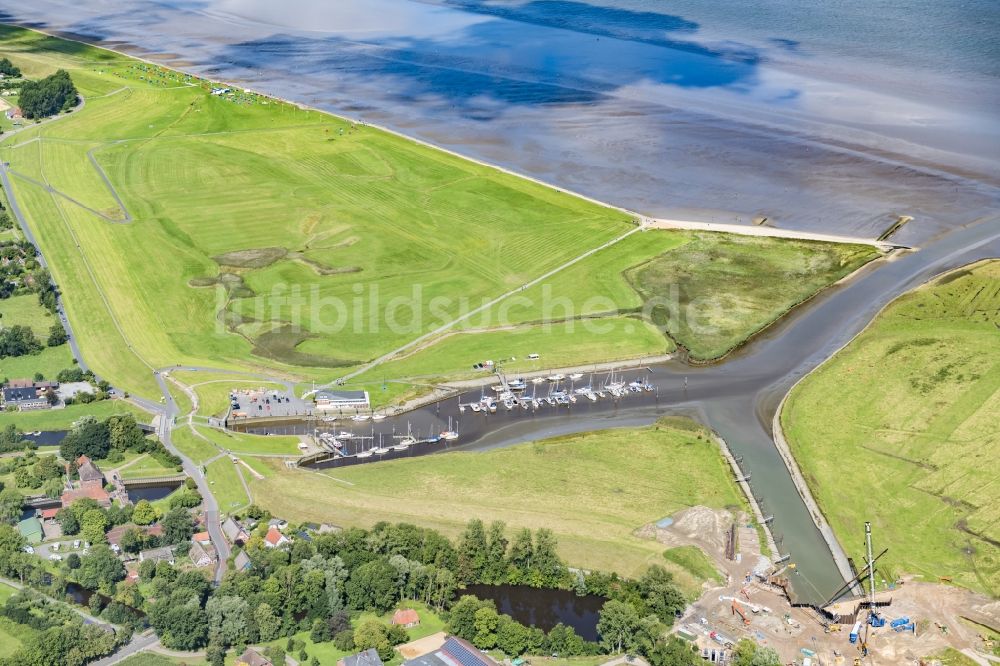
{"type": "Point", "coordinates": [151, 493]}
{"type": "Point", "coordinates": [544, 608]}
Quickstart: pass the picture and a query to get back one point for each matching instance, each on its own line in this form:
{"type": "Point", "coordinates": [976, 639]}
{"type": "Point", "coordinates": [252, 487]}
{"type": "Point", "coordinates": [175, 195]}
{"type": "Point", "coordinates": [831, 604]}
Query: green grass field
{"type": "Point", "coordinates": [593, 490]}
{"type": "Point", "coordinates": [192, 446]}
{"type": "Point", "coordinates": [12, 634]}
{"type": "Point", "coordinates": [147, 467]}
{"type": "Point", "coordinates": [291, 242]}
{"type": "Point", "coordinates": [717, 290]}
{"type": "Point", "coordinates": [264, 195]}
{"type": "Point", "coordinates": [62, 419]}
{"type": "Point", "coordinates": [224, 483]}
{"type": "Point", "coordinates": [899, 428]}
{"type": "Point", "coordinates": [25, 310]}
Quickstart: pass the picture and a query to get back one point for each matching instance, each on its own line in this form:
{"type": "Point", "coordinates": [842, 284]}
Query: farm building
{"type": "Point", "coordinates": [31, 530]}
{"type": "Point", "coordinates": [202, 554]}
{"type": "Point", "coordinates": [341, 400]}
{"type": "Point", "coordinates": [454, 651]}
{"type": "Point", "coordinates": [26, 394]}
{"type": "Point", "coordinates": [163, 554]}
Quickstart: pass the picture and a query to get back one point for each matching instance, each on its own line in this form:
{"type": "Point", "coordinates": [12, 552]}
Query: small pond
{"type": "Point", "coordinates": [47, 437]}
{"type": "Point", "coordinates": [544, 608]}
{"type": "Point", "coordinates": [151, 493]}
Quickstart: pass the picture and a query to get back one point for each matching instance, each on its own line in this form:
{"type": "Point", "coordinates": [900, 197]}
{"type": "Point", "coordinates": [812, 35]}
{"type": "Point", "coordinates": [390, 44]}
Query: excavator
{"type": "Point", "coordinates": [737, 610]}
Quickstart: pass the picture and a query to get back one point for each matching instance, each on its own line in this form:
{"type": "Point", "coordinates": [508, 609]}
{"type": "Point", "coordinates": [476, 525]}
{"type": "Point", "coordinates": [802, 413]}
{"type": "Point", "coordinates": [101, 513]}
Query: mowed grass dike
{"type": "Point", "coordinates": [900, 428]}
{"type": "Point", "coordinates": [189, 224]}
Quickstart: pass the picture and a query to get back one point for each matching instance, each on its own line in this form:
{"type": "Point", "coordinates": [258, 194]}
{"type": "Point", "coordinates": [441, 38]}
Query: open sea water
{"type": "Point", "coordinates": [834, 116]}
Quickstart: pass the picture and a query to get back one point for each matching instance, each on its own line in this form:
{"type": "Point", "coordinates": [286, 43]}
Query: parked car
{"type": "Point", "coordinates": [55, 556]}
{"type": "Point", "coordinates": [55, 546]}
{"type": "Point", "coordinates": [29, 550]}
{"type": "Point", "coordinates": [76, 544]}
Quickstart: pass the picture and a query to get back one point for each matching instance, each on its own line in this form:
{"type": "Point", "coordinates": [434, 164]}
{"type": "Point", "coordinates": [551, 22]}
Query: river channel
{"type": "Point", "coordinates": [737, 398]}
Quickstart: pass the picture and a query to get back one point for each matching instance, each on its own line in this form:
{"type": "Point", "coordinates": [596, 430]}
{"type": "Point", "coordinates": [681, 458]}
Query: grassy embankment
{"type": "Point", "coordinates": [253, 194]}
{"type": "Point", "coordinates": [593, 490]}
{"type": "Point", "coordinates": [707, 292]}
{"type": "Point", "coordinates": [899, 428]}
{"type": "Point", "coordinates": [261, 215]}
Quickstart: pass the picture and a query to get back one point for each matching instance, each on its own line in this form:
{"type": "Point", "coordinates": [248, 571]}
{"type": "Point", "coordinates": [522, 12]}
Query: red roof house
{"type": "Point", "coordinates": [274, 538]}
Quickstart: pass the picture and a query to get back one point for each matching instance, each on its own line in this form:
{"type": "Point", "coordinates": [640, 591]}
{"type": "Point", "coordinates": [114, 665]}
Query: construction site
{"type": "Point", "coordinates": [868, 622]}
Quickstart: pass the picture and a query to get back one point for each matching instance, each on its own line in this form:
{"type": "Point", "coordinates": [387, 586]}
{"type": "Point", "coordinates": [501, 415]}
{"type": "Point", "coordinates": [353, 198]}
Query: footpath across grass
{"type": "Point", "coordinates": [900, 429]}
{"type": "Point", "coordinates": [593, 490]}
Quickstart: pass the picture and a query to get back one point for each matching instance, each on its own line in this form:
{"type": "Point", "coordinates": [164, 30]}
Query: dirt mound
{"type": "Point", "coordinates": [252, 258]}
{"type": "Point", "coordinates": [698, 525]}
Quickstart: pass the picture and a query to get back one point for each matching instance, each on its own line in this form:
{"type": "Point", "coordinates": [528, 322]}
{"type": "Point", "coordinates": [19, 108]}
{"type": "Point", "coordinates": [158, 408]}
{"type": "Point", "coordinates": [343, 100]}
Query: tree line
{"type": "Point", "coordinates": [48, 96]}
{"type": "Point", "coordinates": [318, 585]}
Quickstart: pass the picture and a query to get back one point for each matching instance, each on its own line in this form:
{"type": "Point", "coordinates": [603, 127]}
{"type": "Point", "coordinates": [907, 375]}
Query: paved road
{"type": "Point", "coordinates": [168, 412]}
{"type": "Point", "coordinates": [138, 643]}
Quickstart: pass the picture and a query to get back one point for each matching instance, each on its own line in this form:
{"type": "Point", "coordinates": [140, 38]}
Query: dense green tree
{"type": "Point", "coordinates": [519, 561]}
{"type": "Point", "coordinates": [57, 335]}
{"type": "Point", "coordinates": [617, 624]}
{"type": "Point", "coordinates": [472, 552]}
{"type": "Point", "coordinates": [373, 634]}
{"type": "Point", "coordinates": [178, 526]}
{"type": "Point", "coordinates": [9, 69]}
{"type": "Point", "coordinates": [18, 340]}
{"type": "Point", "coordinates": [125, 434]}
{"type": "Point", "coordinates": [228, 619]}
{"type": "Point", "coordinates": [48, 96]}
{"type": "Point", "coordinates": [462, 616]}
{"type": "Point", "coordinates": [661, 594]}
{"type": "Point", "coordinates": [485, 621]}
{"type": "Point", "coordinates": [674, 652]}
{"type": "Point", "coordinates": [512, 636]}
{"type": "Point", "coordinates": [344, 640]}
{"type": "Point", "coordinates": [11, 502]}
{"type": "Point", "coordinates": [144, 513]}
{"type": "Point", "coordinates": [100, 568]}
{"type": "Point", "coordinates": [372, 586]}
{"type": "Point", "coordinates": [90, 437]}
{"type": "Point", "coordinates": [268, 623]}
{"type": "Point", "coordinates": [495, 566]}
{"type": "Point", "coordinates": [93, 526]}
{"type": "Point", "coordinates": [67, 521]}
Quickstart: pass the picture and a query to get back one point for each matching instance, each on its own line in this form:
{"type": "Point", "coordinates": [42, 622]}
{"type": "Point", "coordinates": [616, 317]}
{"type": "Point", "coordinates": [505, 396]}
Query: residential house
{"type": "Point", "coordinates": [202, 554]}
{"type": "Point", "coordinates": [242, 561]}
{"type": "Point", "coordinates": [162, 554]}
{"type": "Point", "coordinates": [26, 394]}
{"type": "Point", "coordinates": [251, 657]}
{"type": "Point", "coordinates": [202, 537]}
{"type": "Point", "coordinates": [90, 473]}
{"type": "Point", "coordinates": [331, 400]}
{"type": "Point", "coordinates": [48, 514]}
{"type": "Point", "coordinates": [406, 617]}
{"type": "Point", "coordinates": [367, 658]}
{"type": "Point", "coordinates": [454, 651]}
{"type": "Point", "coordinates": [235, 532]}
{"type": "Point", "coordinates": [274, 538]}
